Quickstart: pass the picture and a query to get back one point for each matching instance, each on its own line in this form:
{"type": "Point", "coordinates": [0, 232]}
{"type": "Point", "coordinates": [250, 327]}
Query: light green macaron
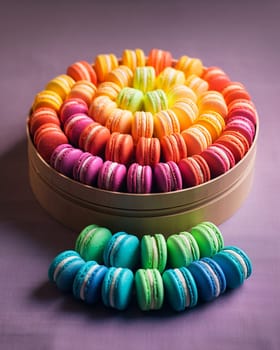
{"type": "Point", "coordinates": [153, 252]}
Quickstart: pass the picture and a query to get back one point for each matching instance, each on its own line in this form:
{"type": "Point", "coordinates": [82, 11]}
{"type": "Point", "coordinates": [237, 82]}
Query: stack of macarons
{"type": "Point", "coordinates": [155, 123]}
{"type": "Point", "coordinates": [182, 270]}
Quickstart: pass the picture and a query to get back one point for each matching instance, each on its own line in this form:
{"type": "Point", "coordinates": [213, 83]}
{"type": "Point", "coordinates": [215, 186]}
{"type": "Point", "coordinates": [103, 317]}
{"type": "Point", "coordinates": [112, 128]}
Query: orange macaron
{"type": "Point", "coordinates": [120, 148]}
{"type": "Point", "coordinates": [82, 70]}
{"type": "Point", "coordinates": [147, 151]}
{"type": "Point", "coordinates": [173, 147]}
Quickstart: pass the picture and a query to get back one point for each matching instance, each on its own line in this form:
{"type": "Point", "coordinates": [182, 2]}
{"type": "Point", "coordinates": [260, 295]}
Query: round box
{"type": "Point", "coordinates": [77, 205]}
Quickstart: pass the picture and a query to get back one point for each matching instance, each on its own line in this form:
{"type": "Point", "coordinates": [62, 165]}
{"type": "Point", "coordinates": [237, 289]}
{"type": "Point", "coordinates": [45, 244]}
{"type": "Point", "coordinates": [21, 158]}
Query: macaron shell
{"type": "Point", "coordinates": [117, 287]}
{"type": "Point", "coordinates": [167, 177]}
{"type": "Point", "coordinates": [206, 240]}
{"type": "Point", "coordinates": [147, 151]}
{"type": "Point", "coordinates": [153, 252]}
{"type": "Point", "coordinates": [112, 176]}
{"type": "Point", "coordinates": [173, 147]}
{"type": "Point", "coordinates": [139, 178]}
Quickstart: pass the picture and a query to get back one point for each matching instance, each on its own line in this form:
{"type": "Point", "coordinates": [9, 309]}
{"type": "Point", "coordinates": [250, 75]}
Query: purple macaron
{"type": "Point", "coordinates": [86, 168]}
{"type": "Point", "coordinates": [167, 177]}
{"type": "Point", "coordinates": [74, 126]}
{"type": "Point", "coordinates": [139, 178]}
{"type": "Point", "coordinates": [112, 176]}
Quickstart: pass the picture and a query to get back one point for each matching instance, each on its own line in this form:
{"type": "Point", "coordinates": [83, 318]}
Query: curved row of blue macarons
{"type": "Point", "coordinates": [183, 287]}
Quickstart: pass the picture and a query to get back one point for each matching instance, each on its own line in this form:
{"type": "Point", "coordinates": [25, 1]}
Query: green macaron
{"type": "Point", "coordinates": [153, 252]}
{"type": "Point", "coordinates": [182, 249]}
{"type": "Point", "coordinates": [208, 237]}
{"type": "Point", "coordinates": [149, 289]}
{"type": "Point", "coordinates": [92, 241]}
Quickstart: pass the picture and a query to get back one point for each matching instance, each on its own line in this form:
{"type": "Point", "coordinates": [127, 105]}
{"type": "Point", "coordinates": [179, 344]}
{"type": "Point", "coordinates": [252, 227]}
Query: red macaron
{"type": "Point", "coordinates": [147, 151]}
{"type": "Point", "coordinates": [194, 170]}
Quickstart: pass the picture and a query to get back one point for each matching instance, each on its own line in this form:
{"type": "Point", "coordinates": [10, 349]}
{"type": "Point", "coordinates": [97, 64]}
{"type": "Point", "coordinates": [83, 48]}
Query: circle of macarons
{"type": "Point", "coordinates": [182, 270]}
{"type": "Point", "coordinates": [142, 123]}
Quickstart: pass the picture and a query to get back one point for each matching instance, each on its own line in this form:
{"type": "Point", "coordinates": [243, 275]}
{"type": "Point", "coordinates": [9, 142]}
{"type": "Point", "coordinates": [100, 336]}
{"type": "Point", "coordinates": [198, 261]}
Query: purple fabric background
{"type": "Point", "coordinates": [38, 41]}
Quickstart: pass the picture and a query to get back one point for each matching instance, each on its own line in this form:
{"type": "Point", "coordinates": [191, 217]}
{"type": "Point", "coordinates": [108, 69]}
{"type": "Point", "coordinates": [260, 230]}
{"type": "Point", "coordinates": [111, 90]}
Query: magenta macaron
{"type": "Point", "coordinates": [72, 106]}
{"type": "Point", "coordinates": [74, 126]}
{"type": "Point", "coordinates": [86, 168]}
{"type": "Point", "coordinates": [112, 176]}
{"type": "Point", "coordinates": [139, 178]}
{"type": "Point", "coordinates": [167, 177]}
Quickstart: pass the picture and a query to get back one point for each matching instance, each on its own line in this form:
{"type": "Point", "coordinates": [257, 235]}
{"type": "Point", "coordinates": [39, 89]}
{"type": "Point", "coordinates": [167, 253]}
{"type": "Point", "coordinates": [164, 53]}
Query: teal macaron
{"type": "Point", "coordinates": [64, 268]}
{"type": "Point", "coordinates": [182, 249]}
{"type": "Point", "coordinates": [117, 287]}
{"type": "Point", "coordinates": [209, 278]}
{"type": "Point", "coordinates": [122, 250]}
{"type": "Point", "coordinates": [180, 288]}
{"type": "Point", "coordinates": [153, 252]}
{"type": "Point", "coordinates": [235, 264]}
{"type": "Point", "coordinates": [88, 281]}
{"type": "Point", "coordinates": [91, 242]}
{"type": "Point", "coordinates": [208, 237]}
{"type": "Point", "coordinates": [149, 289]}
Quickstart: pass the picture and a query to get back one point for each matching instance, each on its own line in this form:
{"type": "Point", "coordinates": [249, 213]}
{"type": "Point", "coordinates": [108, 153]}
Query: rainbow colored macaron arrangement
{"type": "Point", "coordinates": [182, 270]}
{"type": "Point", "coordinates": [142, 123]}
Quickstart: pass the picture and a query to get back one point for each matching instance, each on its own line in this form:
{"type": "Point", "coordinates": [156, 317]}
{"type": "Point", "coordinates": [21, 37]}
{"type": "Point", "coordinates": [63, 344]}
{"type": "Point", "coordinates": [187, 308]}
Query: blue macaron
{"type": "Point", "coordinates": [117, 287]}
{"type": "Point", "coordinates": [122, 250]}
{"type": "Point", "coordinates": [209, 278]}
{"type": "Point", "coordinates": [64, 268]}
{"type": "Point", "coordinates": [88, 281]}
{"type": "Point", "coordinates": [235, 264]}
{"type": "Point", "coordinates": [180, 288]}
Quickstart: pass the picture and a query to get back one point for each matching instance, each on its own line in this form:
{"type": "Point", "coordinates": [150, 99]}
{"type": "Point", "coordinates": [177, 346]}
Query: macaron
{"type": "Point", "coordinates": [63, 159]}
{"type": "Point", "coordinates": [182, 249]}
{"type": "Point", "coordinates": [212, 101]}
{"type": "Point", "coordinates": [117, 288]}
{"type": "Point", "coordinates": [167, 177]}
{"type": "Point", "coordinates": [61, 84]}
{"type": "Point", "coordinates": [209, 278]}
{"type": "Point", "coordinates": [139, 178]}
{"type": "Point", "coordinates": [189, 65]}
{"type": "Point", "coordinates": [142, 125]}
{"type": "Point", "coordinates": [213, 122]}
{"type": "Point", "coordinates": [243, 126]}
{"type": "Point", "coordinates": [88, 282]}
{"type": "Point", "coordinates": [42, 116]}
{"type": "Point", "coordinates": [120, 148]}
{"type": "Point", "coordinates": [46, 138]}
{"type": "Point", "coordinates": [122, 250]}
{"type": "Point", "coordinates": [173, 147]}
{"type": "Point", "coordinates": [194, 170]}
{"type": "Point", "coordinates": [216, 78]}
{"type": "Point", "coordinates": [218, 159]}
{"type": "Point", "coordinates": [82, 70]}
{"type": "Point", "coordinates": [179, 92]}
{"type": "Point", "coordinates": [74, 126]}
{"type": "Point", "coordinates": [91, 242]}
{"type": "Point", "coordinates": [232, 140]}
{"type": "Point", "coordinates": [155, 101]}
{"type": "Point", "coordinates": [235, 91]}
{"type": "Point", "coordinates": [72, 106]}
{"type": "Point", "coordinates": [159, 59]}
{"type": "Point", "coordinates": [147, 151]}
{"type": "Point", "coordinates": [166, 122]}
{"type": "Point", "coordinates": [130, 99]}
{"type": "Point", "coordinates": [83, 89]}
{"type": "Point", "coordinates": [144, 79]}
{"type": "Point", "coordinates": [47, 98]}
{"type": "Point", "coordinates": [242, 108]}
{"type": "Point", "coordinates": [180, 288]}
{"type": "Point", "coordinates": [235, 264]}
{"type": "Point", "coordinates": [104, 64]}
{"type": "Point", "coordinates": [197, 138]}
{"type": "Point", "coordinates": [133, 58]}
{"type": "Point", "coordinates": [154, 252]}
{"type": "Point", "coordinates": [109, 89]}
{"type": "Point", "coordinates": [112, 176]}
{"type": "Point", "coordinates": [63, 269]}
{"type": "Point", "coordinates": [197, 84]}
{"type": "Point", "coordinates": [100, 108]}
{"type": "Point", "coordinates": [168, 78]}
{"type": "Point", "coordinates": [119, 120]}
{"type": "Point", "coordinates": [121, 75]}
{"type": "Point", "coordinates": [86, 168]}
{"type": "Point", "coordinates": [149, 289]}
{"type": "Point", "coordinates": [186, 111]}
{"type": "Point", "coordinates": [94, 138]}
{"type": "Point", "coordinates": [208, 237]}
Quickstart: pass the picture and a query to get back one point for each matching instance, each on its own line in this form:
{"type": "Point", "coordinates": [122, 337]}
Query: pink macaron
{"type": "Point", "coordinates": [167, 177]}
{"type": "Point", "coordinates": [74, 126]}
{"type": "Point", "coordinates": [243, 126]}
{"type": "Point", "coordinates": [243, 108]}
{"type": "Point", "coordinates": [194, 170]}
{"type": "Point", "coordinates": [139, 178]}
{"type": "Point", "coordinates": [63, 159]}
{"type": "Point", "coordinates": [217, 159]}
{"type": "Point", "coordinates": [112, 176]}
{"type": "Point", "coordinates": [86, 168]}
{"type": "Point", "coordinates": [72, 106]}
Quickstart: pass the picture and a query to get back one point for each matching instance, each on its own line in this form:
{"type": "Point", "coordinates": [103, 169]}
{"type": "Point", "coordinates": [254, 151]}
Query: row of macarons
{"type": "Point", "coordinates": [145, 176]}
{"type": "Point", "coordinates": [183, 287]}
